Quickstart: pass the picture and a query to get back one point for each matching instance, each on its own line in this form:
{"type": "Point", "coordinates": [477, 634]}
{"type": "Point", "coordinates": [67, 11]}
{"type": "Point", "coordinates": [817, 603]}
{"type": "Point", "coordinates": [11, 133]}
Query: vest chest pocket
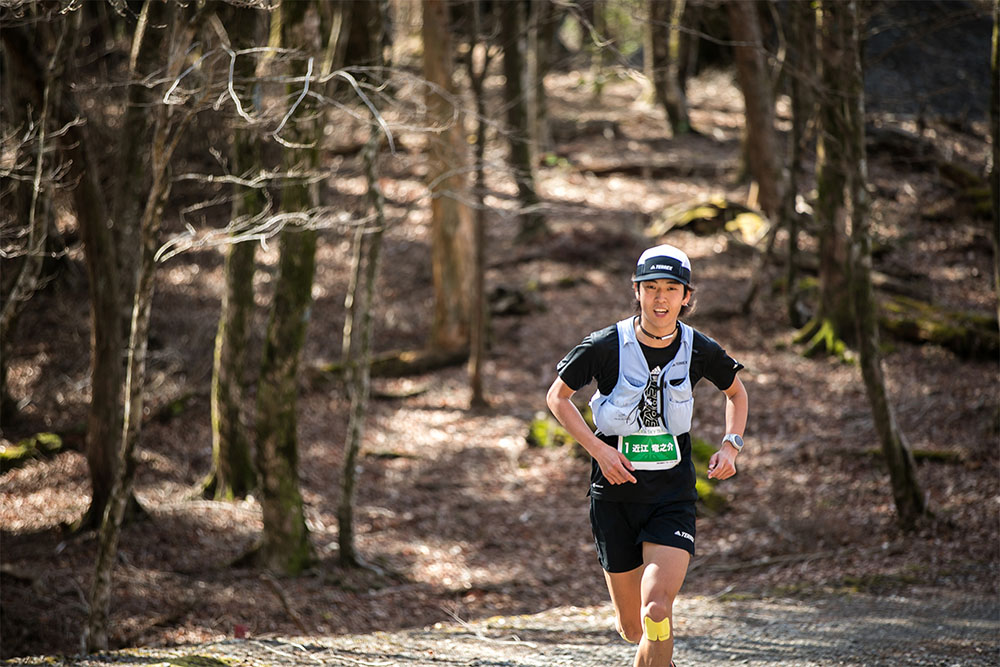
{"type": "Point", "coordinates": [678, 404]}
{"type": "Point", "coordinates": [618, 412]}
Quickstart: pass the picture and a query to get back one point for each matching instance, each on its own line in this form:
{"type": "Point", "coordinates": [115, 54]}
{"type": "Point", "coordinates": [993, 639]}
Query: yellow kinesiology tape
{"type": "Point", "coordinates": [657, 631]}
{"type": "Point", "coordinates": [622, 633]}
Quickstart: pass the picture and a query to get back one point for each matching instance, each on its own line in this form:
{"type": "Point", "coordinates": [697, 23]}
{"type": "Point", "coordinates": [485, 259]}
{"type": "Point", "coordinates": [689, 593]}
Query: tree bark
{"type": "Point", "coordinates": [762, 152]}
{"type": "Point", "coordinates": [107, 342]}
{"type": "Point", "coordinates": [480, 310]}
{"type": "Point", "coordinates": [995, 131]}
{"type": "Point", "coordinates": [28, 274]}
{"type": "Point", "coordinates": [451, 220]}
{"type": "Point", "coordinates": [803, 62]}
{"type": "Point", "coordinates": [360, 364]}
{"type": "Point", "coordinates": [133, 168]}
{"type": "Point", "coordinates": [165, 135]}
{"type": "Point", "coordinates": [285, 546]}
{"type": "Point", "coordinates": [348, 339]}
{"type": "Point", "coordinates": [833, 322]}
{"type": "Point", "coordinates": [106, 333]}
{"type": "Point", "coordinates": [545, 22]}
{"type": "Point", "coordinates": [233, 474]}
{"type": "Point", "coordinates": [664, 26]}
{"type": "Point", "coordinates": [532, 224]}
{"type": "Point", "coordinates": [909, 499]}
{"type": "Point", "coordinates": [368, 32]}
{"type": "Point", "coordinates": [597, 11]}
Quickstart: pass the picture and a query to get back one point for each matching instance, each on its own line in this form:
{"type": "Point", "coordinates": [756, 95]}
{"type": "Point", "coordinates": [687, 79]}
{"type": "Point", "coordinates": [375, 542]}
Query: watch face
{"type": "Point", "coordinates": [736, 440]}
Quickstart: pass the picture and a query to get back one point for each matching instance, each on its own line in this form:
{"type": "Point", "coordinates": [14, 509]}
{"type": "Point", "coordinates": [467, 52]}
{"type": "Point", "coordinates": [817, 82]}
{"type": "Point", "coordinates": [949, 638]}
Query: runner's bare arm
{"type": "Point", "coordinates": [722, 465]}
{"type": "Point", "coordinates": [613, 463]}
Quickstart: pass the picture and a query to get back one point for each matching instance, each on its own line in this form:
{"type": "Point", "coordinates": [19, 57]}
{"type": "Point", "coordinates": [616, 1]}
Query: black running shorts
{"type": "Point", "coordinates": [621, 528]}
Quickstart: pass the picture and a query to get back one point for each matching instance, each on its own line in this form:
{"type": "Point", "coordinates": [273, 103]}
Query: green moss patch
{"type": "Point", "coordinates": [40, 445]}
{"type": "Point", "coordinates": [545, 431]}
{"type": "Point", "coordinates": [711, 500]}
{"type": "Point", "coordinates": [969, 335]}
{"type": "Point", "coordinates": [710, 217]}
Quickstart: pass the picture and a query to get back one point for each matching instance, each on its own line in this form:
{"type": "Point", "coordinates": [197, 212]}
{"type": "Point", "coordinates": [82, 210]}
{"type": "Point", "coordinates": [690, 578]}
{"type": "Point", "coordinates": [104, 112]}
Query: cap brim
{"type": "Point", "coordinates": [657, 276]}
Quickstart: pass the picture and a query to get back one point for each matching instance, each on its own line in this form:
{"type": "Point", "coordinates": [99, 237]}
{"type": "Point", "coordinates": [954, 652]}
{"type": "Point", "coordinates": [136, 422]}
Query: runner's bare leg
{"type": "Point", "coordinates": [626, 596]}
{"type": "Point", "coordinates": [662, 577]}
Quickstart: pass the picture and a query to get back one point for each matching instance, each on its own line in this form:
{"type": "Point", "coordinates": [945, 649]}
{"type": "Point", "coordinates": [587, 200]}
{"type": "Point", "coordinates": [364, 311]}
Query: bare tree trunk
{"type": "Point", "coordinates": [518, 126]}
{"type": "Point", "coordinates": [107, 346]}
{"type": "Point", "coordinates": [26, 282]}
{"type": "Point", "coordinates": [995, 173]}
{"type": "Point", "coordinates": [910, 502]}
{"type": "Point", "coordinates": [165, 137]}
{"type": "Point", "coordinates": [340, 30]}
{"type": "Point", "coordinates": [761, 149]}
{"type": "Point", "coordinates": [347, 350]}
{"type": "Point", "coordinates": [545, 22]}
{"type": "Point", "coordinates": [106, 342]}
{"type": "Point", "coordinates": [360, 362]}
{"type": "Point", "coordinates": [665, 20]}
{"type": "Point", "coordinates": [995, 132]}
{"type": "Point", "coordinates": [368, 31]}
{"type": "Point", "coordinates": [133, 168]}
{"type": "Point", "coordinates": [357, 346]}
{"type": "Point", "coordinates": [480, 311]}
{"type": "Point", "coordinates": [598, 52]}
{"type": "Point", "coordinates": [751, 68]}
{"type": "Point", "coordinates": [687, 46]}
{"type": "Point", "coordinates": [833, 322]}
{"type": "Point", "coordinates": [233, 474]}
{"type": "Point", "coordinates": [113, 264]}
{"type": "Point", "coordinates": [22, 88]}
{"type": "Point", "coordinates": [285, 546]}
{"type": "Point", "coordinates": [803, 62]}
{"type": "Point", "coordinates": [451, 220]}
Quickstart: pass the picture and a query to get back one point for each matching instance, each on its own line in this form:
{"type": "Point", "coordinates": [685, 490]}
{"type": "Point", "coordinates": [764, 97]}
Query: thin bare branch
{"type": "Point", "coordinates": [295, 105]}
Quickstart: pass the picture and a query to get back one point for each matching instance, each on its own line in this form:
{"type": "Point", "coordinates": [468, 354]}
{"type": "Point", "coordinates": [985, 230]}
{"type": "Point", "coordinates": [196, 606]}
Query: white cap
{"type": "Point", "coordinates": [663, 261]}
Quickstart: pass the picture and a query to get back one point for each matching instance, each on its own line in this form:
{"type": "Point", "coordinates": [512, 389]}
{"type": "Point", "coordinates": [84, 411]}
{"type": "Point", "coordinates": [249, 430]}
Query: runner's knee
{"type": "Point", "coordinates": [656, 621]}
{"type": "Point", "coordinates": [656, 610]}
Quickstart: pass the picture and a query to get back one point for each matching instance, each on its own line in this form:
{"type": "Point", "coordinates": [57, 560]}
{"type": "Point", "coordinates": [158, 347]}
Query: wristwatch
{"type": "Point", "coordinates": [735, 440]}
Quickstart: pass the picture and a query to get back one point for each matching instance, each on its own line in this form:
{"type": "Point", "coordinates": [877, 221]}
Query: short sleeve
{"type": "Point", "coordinates": [715, 364]}
{"type": "Point", "coordinates": [590, 360]}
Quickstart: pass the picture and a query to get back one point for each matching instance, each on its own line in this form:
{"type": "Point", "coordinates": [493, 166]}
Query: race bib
{"type": "Point", "coordinates": [650, 449]}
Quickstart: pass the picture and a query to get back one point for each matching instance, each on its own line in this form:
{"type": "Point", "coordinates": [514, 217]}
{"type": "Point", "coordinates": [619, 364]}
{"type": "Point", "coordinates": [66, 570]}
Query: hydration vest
{"type": "Point", "coordinates": [618, 412]}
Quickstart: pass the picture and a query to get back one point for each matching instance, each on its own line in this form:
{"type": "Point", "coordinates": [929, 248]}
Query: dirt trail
{"type": "Point", "coordinates": [929, 628]}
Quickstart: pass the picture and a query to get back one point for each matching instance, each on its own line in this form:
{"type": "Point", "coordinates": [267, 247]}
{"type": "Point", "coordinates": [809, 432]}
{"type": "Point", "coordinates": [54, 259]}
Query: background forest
{"type": "Point", "coordinates": [284, 286]}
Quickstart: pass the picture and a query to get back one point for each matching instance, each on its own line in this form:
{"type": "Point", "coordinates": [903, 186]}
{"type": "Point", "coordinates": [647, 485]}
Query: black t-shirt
{"type": "Point", "coordinates": [596, 358]}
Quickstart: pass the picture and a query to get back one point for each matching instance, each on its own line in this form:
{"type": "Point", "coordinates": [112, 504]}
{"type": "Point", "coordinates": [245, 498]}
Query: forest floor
{"type": "Point", "coordinates": [463, 518]}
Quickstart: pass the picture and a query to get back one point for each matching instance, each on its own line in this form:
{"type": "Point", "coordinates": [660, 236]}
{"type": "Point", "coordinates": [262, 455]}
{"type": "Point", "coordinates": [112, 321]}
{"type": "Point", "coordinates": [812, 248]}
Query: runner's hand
{"type": "Point", "coordinates": [722, 465]}
{"type": "Point", "coordinates": [614, 465]}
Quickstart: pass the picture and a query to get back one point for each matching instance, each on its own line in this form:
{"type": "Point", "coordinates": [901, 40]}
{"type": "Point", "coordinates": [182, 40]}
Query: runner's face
{"type": "Point", "coordinates": [660, 302]}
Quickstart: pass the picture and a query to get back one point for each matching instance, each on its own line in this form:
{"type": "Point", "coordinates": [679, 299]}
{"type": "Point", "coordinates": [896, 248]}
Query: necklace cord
{"type": "Point", "coordinates": [667, 337]}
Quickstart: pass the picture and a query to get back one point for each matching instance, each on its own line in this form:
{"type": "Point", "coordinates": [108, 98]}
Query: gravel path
{"type": "Point", "coordinates": [946, 629]}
